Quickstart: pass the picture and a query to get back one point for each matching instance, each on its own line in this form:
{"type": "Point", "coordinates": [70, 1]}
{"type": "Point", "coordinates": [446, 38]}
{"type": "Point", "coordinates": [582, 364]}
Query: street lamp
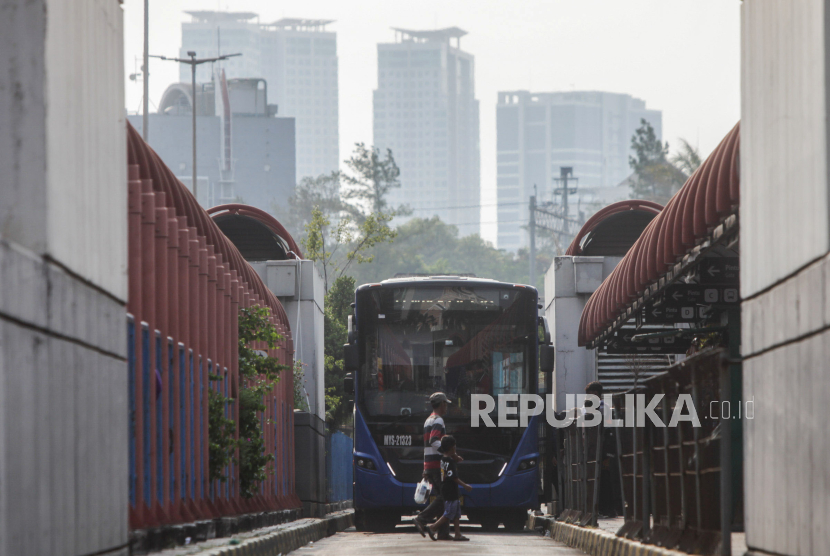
{"type": "Point", "coordinates": [193, 62]}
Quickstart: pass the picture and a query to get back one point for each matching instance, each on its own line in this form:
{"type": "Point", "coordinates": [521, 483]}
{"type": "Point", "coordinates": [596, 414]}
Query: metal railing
{"type": "Point", "coordinates": [674, 481]}
{"type": "Point", "coordinates": [581, 450]}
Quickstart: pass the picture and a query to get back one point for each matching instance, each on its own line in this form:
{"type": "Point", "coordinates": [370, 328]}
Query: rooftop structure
{"type": "Point", "coordinates": [295, 24]}
{"type": "Point", "coordinates": [442, 35]}
{"type": "Point", "coordinates": [203, 16]}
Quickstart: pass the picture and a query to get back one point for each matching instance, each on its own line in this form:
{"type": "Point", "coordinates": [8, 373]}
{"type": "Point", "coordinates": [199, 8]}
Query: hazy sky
{"type": "Point", "coordinates": [680, 56]}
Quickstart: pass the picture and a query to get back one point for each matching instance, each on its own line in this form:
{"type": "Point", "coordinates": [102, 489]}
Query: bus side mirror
{"type": "Point", "coordinates": [351, 360]}
{"type": "Point", "coordinates": [547, 355]}
{"type": "Point", "coordinates": [348, 383]}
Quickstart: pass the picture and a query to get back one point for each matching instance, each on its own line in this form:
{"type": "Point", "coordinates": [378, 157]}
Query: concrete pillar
{"type": "Point", "coordinates": [299, 287]}
{"type": "Point", "coordinates": [63, 264]}
{"type": "Point", "coordinates": [569, 282]}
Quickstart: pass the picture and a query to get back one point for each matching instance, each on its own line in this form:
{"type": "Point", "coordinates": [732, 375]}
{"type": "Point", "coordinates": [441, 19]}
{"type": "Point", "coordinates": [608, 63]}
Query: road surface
{"type": "Point", "coordinates": [406, 541]}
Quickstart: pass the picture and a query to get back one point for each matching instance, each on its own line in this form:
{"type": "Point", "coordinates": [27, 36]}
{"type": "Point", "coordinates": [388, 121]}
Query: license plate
{"type": "Point", "coordinates": [397, 440]}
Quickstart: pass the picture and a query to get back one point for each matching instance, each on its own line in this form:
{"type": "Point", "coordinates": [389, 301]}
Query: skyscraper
{"type": "Point", "coordinates": [538, 133]}
{"type": "Point", "coordinates": [425, 110]}
{"type": "Point", "coordinates": [298, 60]}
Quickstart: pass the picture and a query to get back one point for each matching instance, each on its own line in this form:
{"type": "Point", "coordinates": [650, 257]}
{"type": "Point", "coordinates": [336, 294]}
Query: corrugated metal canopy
{"type": "Point", "coordinates": [258, 235]}
{"type": "Point", "coordinates": [707, 198]}
{"type": "Point", "coordinates": [614, 229]}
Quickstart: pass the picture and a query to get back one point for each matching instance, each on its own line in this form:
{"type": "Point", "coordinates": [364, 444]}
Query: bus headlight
{"type": "Point", "coordinates": [366, 463]}
{"type": "Point", "coordinates": [527, 464]}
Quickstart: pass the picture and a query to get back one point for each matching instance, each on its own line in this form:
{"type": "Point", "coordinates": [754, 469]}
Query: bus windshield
{"type": "Point", "coordinates": [461, 340]}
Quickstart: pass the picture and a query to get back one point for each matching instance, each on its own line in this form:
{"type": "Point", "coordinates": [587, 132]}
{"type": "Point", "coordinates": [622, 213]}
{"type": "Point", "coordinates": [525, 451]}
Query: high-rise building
{"type": "Point", "coordinates": [538, 133]}
{"type": "Point", "coordinates": [298, 60]}
{"type": "Point", "coordinates": [425, 110]}
{"type": "Point", "coordinates": [244, 153]}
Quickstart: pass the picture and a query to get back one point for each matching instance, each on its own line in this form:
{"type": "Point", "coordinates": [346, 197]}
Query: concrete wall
{"type": "Point", "coordinates": [299, 287]}
{"type": "Point", "coordinates": [63, 252]}
{"type": "Point", "coordinates": [785, 272]}
{"type": "Point", "coordinates": [569, 283]}
{"type": "Point", "coordinates": [784, 197]}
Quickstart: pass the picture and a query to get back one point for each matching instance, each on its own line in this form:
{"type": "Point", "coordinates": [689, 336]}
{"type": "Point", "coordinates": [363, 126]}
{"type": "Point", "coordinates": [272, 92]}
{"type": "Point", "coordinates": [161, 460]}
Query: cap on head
{"type": "Point", "coordinates": [438, 397]}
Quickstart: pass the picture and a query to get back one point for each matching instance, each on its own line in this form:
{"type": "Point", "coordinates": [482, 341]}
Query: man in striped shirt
{"type": "Point", "coordinates": [434, 430]}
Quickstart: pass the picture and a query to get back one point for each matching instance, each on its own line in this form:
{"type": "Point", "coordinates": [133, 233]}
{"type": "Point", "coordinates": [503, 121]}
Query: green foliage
{"type": "Point", "coordinates": [349, 242]}
{"type": "Point", "coordinates": [254, 326]}
{"type": "Point", "coordinates": [333, 403]}
{"type": "Point", "coordinates": [370, 179]}
{"type": "Point", "coordinates": [429, 246]}
{"type": "Point", "coordinates": [687, 159]}
{"type": "Point", "coordinates": [253, 461]}
{"type": "Point", "coordinates": [221, 438]}
{"type": "Point", "coordinates": [338, 308]}
{"type": "Point", "coordinates": [322, 192]}
{"type": "Point", "coordinates": [258, 373]}
{"type": "Point", "coordinates": [655, 178]}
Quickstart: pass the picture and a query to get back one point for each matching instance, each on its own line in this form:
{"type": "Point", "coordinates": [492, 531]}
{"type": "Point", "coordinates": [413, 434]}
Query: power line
{"type": "Point", "coordinates": [494, 222]}
{"type": "Point", "coordinates": [470, 206]}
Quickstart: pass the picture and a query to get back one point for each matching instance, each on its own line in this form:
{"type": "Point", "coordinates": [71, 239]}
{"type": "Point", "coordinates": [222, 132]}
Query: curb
{"type": "Point", "coordinates": [595, 542]}
{"type": "Point", "coordinates": [144, 541]}
{"type": "Point", "coordinates": [282, 542]}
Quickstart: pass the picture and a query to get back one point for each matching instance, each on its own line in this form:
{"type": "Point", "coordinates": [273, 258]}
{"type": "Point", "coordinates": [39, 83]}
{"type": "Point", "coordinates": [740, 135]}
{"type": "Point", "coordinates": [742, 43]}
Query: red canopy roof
{"type": "Point", "coordinates": [709, 196]}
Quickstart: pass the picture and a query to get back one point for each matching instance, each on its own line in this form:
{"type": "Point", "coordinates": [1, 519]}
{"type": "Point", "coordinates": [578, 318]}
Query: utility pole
{"type": "Point", "coordinates": [145, 122]}
{"type": "Point", "coordinates": [193, 62]}
{"type": "Point", "coordinates": [533, 238]}
{"type": "Point", "coordinates": [565, 172]}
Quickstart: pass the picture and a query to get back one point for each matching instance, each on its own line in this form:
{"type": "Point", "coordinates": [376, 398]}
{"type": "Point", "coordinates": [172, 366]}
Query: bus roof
{"type": "Point", "coordinates": [444, 280]}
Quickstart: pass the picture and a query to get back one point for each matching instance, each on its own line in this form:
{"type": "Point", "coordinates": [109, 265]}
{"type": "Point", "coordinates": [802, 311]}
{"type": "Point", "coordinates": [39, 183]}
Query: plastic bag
{"type": "Point", "coordinates": [422, 492]}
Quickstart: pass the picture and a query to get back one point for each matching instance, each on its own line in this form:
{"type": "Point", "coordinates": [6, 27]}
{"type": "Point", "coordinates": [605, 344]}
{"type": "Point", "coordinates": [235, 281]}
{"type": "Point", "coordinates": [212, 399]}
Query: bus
{"type": "Point", "coordinates": [410, 337]}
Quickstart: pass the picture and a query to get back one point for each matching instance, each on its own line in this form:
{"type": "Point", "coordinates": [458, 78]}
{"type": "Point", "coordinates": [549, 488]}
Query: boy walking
{"type": "Point", "coordinates": [449, 490]}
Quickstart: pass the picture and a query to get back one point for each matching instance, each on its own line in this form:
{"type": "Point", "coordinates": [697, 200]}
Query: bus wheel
{"type": "Point", "coordinates": [515, 521]}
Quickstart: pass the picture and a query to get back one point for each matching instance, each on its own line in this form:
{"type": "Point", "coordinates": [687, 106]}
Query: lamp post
{"type": "Point", "coordinates": [193, 61]}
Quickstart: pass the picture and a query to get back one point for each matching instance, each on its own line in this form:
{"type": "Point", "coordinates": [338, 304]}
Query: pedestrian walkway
{"type": "Point", "coordinates": [405, 541]}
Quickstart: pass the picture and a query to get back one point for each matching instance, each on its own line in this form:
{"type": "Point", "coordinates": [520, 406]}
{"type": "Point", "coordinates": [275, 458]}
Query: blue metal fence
{"type": "Point", "coordinates": [339, 448]}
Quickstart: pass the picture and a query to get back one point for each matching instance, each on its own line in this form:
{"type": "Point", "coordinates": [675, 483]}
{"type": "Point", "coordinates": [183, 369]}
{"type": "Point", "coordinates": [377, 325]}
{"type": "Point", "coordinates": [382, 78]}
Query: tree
{"type": "Point", "coordinates": [687, 159]}
{"type": "Point", "coordinates": [322, 192]}
{"type": "Point", "coordinates": [654, 177]}
{"type": "Point", "coordinates": [336, 316]}
{"type": "Point", "coordinates": [355, 240]}
{"type": "Point", "coordinates": [430, 246]}
{"type": "Point", "coordinates": [370, 180]}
